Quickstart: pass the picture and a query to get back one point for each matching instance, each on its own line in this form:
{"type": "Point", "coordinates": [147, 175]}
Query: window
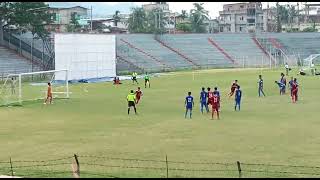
{"type": "Point", "coordinates": [251, 21]}
{"type": "Point", "coordinates": [240, 29]}
{"type": "Point", "coordinates": [229, 29]}
{"type": "Point", "coordinates": [241, 6]}
{"type": "Point", "coordinates": [241, 18]}
{"type": "Point", "coordinates": [221, 29]}
{"type": "Point", "coordinates": [230, 18]}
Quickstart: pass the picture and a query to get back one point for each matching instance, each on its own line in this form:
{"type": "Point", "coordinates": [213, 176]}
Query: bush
{"type": "Point", "coordinates": [309, 29]}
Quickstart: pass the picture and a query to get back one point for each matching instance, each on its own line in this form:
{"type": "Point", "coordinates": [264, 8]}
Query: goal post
{"type": "Point", "coordinates": [19, 88]}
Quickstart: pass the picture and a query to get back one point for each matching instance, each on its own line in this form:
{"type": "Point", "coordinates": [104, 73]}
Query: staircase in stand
{"type": "Point", "coordinates": [275, 43]}
{"type": "Point", "coordinates": [176, 51]}
{"type": "Point", "coordinates": [262, 49]}
{"type": "Point", "coordinates": [222, 50]}
{"type": "Point", "coordinates": [143, 52]}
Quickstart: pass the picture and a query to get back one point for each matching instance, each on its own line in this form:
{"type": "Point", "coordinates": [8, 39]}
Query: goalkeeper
{"type": "Point", "coordinates": [13, 86]}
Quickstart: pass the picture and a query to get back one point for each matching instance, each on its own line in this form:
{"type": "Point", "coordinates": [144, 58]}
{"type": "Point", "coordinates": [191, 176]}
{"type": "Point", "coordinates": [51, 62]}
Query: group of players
{"type": "Point", "coordinates": [209, 98]}
{"type": "Point", "coordinates": [293, 86]}
{"type": "Point", "coordinates": [133, 98]}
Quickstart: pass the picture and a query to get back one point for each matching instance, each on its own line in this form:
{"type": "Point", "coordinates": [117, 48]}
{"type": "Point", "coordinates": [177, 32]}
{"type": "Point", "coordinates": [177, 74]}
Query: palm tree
{"type": "Point", "coordinates": [156, 18]}
{"type": "Point", "coordinates": [137, 21]}
{"type": "Point", "coordinates": [197, 16]}
{"type": "Point", "coordinates": [116, 18]}
{"type": "Point", "coordinates": [184, 14]}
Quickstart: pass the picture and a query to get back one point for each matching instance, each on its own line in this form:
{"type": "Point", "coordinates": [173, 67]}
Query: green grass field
{"type": "Point", "coordinates": [268, 130]}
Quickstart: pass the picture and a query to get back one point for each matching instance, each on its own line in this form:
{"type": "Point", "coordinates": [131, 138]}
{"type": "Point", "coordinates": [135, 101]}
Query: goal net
{"type": "Point", "coordinates": [17, 89]}
{"type": "Point", "coordinates": [310, 63]}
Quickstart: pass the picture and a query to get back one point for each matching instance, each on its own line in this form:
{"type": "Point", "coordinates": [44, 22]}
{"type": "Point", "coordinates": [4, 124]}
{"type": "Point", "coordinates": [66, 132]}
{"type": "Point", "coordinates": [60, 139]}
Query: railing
{"type": "Point", "coordinates": [41, 59]}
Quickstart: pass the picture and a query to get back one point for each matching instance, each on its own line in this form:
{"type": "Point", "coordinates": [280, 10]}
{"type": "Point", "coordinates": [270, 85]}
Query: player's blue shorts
{"type": "Point", "coordinates": [189, 107]}
{"type": "Point", "coordinates": [204, 103]}
{"type": "Point", "coordinates": [238, 101]}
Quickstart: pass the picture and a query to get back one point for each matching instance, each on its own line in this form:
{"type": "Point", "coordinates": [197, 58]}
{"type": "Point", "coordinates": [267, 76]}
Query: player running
{"type": "Point", "coordinates": [294, 95]}
{"type": "Point", "coordinates": [131, 98]}
{"type": "Point", "coordinates": [189, 104]}
{"type": "Point", "coordinates": [215, 104]}
{"type": "Point", "coordinates": [238, 98]}
{"type": "Point", "coordinates": [138, 95]}
{"type": "Point", "coordinates": [49, 94]}
{"type": "Point", "coordinates": [203, 100]}
{"type": "Point", "coordinates": [218, 94]}
{"type": "Point", "coordinates": [260, 90]}
{"type": "Point", "coordinates": [146, 80]}
{"type": "Point", "coordinates": [233, 88]}
{"type": "Point", "coordinates": [281, 86]}
{"type": "Point", "coordinates": [134, 77]}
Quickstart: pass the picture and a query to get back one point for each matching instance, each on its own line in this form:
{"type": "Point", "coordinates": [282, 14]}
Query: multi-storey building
{"type": "Point", "coordinates": [62, 17]}
{"type": "Point", "coordinates": [241, 17]}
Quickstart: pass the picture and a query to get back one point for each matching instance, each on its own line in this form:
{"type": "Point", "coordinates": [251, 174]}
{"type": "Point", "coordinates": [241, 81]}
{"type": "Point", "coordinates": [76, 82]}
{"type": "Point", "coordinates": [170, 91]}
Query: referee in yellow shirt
{"type": "Point", "coordinates": [131, 98]}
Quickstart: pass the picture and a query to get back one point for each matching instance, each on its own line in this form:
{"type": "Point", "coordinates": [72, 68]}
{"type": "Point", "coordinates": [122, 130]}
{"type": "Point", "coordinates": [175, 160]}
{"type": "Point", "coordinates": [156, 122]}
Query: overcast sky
{"type": "Point", "coordinates": [108, 8]}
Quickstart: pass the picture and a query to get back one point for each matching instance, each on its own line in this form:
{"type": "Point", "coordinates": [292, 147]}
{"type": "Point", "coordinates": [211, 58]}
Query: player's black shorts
{"type": "Point", "coordinates": [131, 103]}
{"type": "Point", "coordinates": [134, 78]}
{"type": "Point", "coordinates": [146, 80]}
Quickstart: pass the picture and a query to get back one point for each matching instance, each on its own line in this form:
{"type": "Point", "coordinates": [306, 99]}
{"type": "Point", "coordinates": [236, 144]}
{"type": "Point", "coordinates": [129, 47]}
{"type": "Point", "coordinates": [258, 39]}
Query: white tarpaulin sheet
{"type": "Point", "coordinates": [86, 56]}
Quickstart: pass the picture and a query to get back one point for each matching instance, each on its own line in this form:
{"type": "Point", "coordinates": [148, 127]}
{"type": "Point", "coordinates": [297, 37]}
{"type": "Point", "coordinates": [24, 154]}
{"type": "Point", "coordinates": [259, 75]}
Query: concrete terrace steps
{"type": "Point", "coordinates": [152, 47]}
{"type": "Point", "coordinates": [11, 62]}
{"type": "Point", "coordinates": [197, 48]}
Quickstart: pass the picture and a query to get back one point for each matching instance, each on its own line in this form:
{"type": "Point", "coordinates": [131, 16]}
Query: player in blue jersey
{"type": "Point", "coordinates": [281, 86]}
{"type": "Point", "coordinates": [238, 96]}
{"type": "Point", "coordinates": [283, 80]}
{"type": "Point", "coordinates": [189, 104]}
{"type": "Point", "coordinates": [260, 90]}
{"type": "Point", "coordinates": [203, 100]}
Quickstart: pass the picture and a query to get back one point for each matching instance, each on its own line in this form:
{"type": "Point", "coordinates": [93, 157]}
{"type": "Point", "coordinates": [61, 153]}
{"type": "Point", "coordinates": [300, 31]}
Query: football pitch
{"type": "Point", "coordinates": [94, 124]}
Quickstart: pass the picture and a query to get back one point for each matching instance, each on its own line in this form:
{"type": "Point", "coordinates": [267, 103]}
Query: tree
{"type": "Point", "coordinates": [116, 18]}
{"type": "Point", "coordinates": [74, 25]}
{"type": "Point", "coordinates": [197, 16]}
{"type": "Point", "coordinates": [156, 21]}
{"type": "Point", "coordinates": [292, 14]}
{"type": "Point", "coordinates": [185, 27]}
{"type": "Point", "coordinates": [32, 16]}
{"type": "Point", "coordinates": [137, 21]}
{"type": "Point", "coordinates": [184, 14]}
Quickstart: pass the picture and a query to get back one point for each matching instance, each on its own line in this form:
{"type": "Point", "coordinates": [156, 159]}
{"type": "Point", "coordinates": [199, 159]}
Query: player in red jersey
{"type": "Point", "coordinates": [210, 96]}
{"type": "Point", "coordinates": [294, 90]}
{"type": "Point", "coordinates": [233, 88]}
{"type": "Point", "coordinates": [138, 95]}
{"type": "Point", "coordinates": [215, 104]}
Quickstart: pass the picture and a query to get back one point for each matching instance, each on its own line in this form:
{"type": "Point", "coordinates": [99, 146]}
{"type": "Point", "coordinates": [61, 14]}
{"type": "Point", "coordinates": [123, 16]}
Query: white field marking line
{"type": "Point", "coordinates": [4, 176]}
{"type": "Point", "coordinates": [213, 71]}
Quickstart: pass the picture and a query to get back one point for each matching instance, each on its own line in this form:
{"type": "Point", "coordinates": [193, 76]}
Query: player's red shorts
{"type": "Point", "coordinates": [138, 97]}
{"type": "Point", "coordinates": [215, 107]}
{"type": "Point", "coordinates": [210, 101]}
{"type": "Point", "coordinates": [49, 95]}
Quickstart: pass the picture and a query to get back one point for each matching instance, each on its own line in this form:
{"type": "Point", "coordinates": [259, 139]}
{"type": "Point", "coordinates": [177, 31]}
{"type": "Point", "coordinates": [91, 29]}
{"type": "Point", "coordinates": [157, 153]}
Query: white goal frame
{"type": "Point", "coordinates": [66, 81]}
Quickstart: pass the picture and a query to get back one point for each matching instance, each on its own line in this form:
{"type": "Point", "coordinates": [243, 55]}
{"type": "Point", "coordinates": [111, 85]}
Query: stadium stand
{"type": "Point", "coordinates": [241, 46]}
{"type": "Point", "coordinates": [12, 63]}
{"type": "Point", "coordinates": [150, 46]}
{"type": "Point", "coordinates": [299, 44]}
{"type": "Point", "coordinates": [197, 48]}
